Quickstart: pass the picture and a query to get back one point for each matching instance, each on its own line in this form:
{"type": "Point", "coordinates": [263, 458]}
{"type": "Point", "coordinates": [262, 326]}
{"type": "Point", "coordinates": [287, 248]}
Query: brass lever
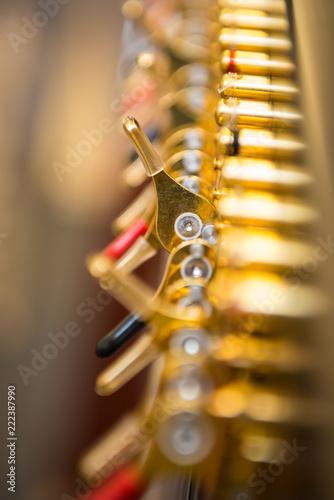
{"type": "Point", "coordinates": [181, 214]}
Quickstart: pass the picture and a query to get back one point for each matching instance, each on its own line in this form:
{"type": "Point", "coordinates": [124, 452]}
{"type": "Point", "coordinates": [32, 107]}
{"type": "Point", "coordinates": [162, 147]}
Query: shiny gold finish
{"type": "Point", "coordinates": [266, 144]}
{"type": "Point", "coordinates": [136, 358]}
{"type": "Point", "coordinates": [247, 401]}
{"type": "Point", "coordinates": [173, 199]}
{"type": "Point", "coordinates": [181, 255]}
{"type": "Point", "coordinates": [264, 209]}
{"type": "Point", "coordinates": [141, 251]}
{"type": "Point", "coordinates": [261, 249]}
{"type": "Point", "coordinates": [230, 322]}
{"type": "Point", "coordinates": [143, 206]}
{"type": "Point", "coordinates": [264, 298]}
{"type": "Point", "coordinates": [270, 6]}
{"type": "Point", "coordinates": [254, 40]}
{"type": "Point", "coordinates": [264, 174]}
{"type": "Point", "coordinates": [261, 88]}
{"type": "Point", "coordinates": [258, 114]}
{"type": "Point", "coordinates": [252, 19]}
{"type": "Point", "coordinates": [134, 174]}
{"type": "Point", "coordinates": [191, 163]}
{"type": "Point", "coordinates": [263, 354]}
{"type": "Point", "coordinates": [149, 157]}
{"type": "Point", "coordinates": [130, 292]}
{"type": "Point", "coordinates": [258, 63]}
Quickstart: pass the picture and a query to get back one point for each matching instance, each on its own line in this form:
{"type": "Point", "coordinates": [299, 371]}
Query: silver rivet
{"type": "Point", "coordinates": [192, 342]}
{"type": "Point", "coordinates": [209, 233]}
{"type": "Point", "coordinates": [194, 267]}
{"type": "Point", "coordinates": [188, 226]}
{"type": "Point", "coordinates": [185, 438]}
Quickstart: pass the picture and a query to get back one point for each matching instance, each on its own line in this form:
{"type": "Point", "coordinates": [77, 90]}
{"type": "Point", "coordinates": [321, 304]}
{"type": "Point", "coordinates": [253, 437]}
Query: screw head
{"type": "Point", "coordinates": [188, 226]}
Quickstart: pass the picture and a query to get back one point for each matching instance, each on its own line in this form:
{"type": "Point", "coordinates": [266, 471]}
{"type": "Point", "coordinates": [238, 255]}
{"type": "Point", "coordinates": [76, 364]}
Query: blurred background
{"type": "Point", "coordinates": [54, 85]}
{"type": "Point", "coordinates": [58, 82]}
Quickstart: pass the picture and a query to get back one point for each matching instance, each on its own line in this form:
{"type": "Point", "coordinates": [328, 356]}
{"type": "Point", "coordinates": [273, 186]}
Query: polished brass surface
{"type": "Point", "coordinates": [254, 40]}
{"type": "Point", "coordinates": [260, 144]}
{"type": "Point", "coordinates": [137, 357]}
{"type": "Point", "coordinates": [258, 63]}
{"type": "Point", "coordinates": [173, 199]}
{"type": "Point", "coordinates": [271, 6]}
{"type": "Point", "coordinates": [265, 174]}
{"type": "Point", "coordinates": [261, 88]}
{"type": "Point", "coordinates": [252, 19]}
{"type": "Point", "coordinates": [231, 320]}
{"type": "Point", "coordinates": [258, 114]}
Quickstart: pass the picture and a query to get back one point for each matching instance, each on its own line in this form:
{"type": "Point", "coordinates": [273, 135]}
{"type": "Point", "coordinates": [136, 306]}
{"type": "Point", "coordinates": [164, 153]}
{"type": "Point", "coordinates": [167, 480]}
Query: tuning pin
{"type": "Point", "coordinates": [181, 213]}
{"type": "Point", "coordinates": [267, 405]}
{"type": "Point", "coordinates": [259, 114]}
{"type": "Point", "coordinates": [265, 209]}
{"type": "Point", "coordinates": [264, 301]}
{"type": "Point", "coordinates": [250, 173]}
{"type": "Point", "coordinates": [257, 63]}
{"type": "Point", "coordinates": [261, 88]}
{"type": "Point", "coordinates": [261, 249]}
{"type": "Point", "coordinates": [269, 6]}
{"type": "Point", "coordinates": [263, 144]}
{"type": "Point", "coordinates": [252, 19]}
{"type": "Point", "coordinates": [263, 354]}
{"type": "Point", "coordinates": [255, 41]}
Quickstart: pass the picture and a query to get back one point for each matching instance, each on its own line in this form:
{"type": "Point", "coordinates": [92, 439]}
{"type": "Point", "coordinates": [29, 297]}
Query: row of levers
{"type": "Point", "coordinates": [214, 132]}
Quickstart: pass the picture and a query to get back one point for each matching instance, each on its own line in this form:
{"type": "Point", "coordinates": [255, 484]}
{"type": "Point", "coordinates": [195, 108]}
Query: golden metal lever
{"type": "Point", "coordinates": [181, 214]}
